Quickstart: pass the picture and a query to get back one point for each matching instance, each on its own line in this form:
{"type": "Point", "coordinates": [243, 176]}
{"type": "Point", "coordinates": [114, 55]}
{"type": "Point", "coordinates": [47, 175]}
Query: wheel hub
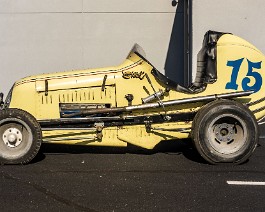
{"type": "Point", "coordinates": [224, 133]}
{"type": "Point", "coordinates": [12, 137]}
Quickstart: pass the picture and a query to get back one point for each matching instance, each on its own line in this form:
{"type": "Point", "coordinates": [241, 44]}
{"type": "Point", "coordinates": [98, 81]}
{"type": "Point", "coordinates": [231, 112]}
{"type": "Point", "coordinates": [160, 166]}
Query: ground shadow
{"type": "Point", "coordinates": [39, 157]}
{"type": "Point", "coordinates": [181, 147]}
{"type": "Point", "coordinates": [177, 147]}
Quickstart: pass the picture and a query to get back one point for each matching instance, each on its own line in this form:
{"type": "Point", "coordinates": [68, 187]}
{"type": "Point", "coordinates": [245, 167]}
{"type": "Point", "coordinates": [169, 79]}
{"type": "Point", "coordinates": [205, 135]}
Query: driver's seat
{"type": "Point", "coordinates": [206, 67]}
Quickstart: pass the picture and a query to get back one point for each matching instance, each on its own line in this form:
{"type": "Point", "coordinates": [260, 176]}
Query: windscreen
{"type": "Point", "coordinates": [138, 49]}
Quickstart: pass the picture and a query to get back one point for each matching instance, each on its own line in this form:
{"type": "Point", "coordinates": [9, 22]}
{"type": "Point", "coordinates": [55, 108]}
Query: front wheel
{"type": "Point", "coordinates": [225, 131]}
{"type": "Point", "coordinates": [20, 136]}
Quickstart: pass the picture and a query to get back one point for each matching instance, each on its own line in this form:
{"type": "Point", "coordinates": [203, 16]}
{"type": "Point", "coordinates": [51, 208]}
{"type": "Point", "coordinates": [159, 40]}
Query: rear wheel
{"type": "Point", "coordinates": [20, 136]}
{"type": "Point", "coordinates": [225, 131]}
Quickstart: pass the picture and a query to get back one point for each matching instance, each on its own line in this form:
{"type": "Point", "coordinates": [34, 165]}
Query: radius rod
{"type": "Point", "coordinates": [208, 98]}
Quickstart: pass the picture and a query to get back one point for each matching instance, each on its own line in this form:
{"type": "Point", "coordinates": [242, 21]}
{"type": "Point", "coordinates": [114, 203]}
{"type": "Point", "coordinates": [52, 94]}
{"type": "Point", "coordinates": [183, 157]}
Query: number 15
{"type": "Point", "coordinates": [236, 64]}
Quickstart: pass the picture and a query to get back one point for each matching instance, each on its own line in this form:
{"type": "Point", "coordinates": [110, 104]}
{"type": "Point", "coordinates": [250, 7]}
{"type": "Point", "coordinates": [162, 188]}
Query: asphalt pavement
{"type": "Point", "coordinates": [173, 177]}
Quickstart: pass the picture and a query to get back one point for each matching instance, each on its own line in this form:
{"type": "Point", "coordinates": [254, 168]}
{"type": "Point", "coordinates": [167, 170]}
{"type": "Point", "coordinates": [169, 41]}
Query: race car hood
{"type": "Point", "coordinates": [82, 78]}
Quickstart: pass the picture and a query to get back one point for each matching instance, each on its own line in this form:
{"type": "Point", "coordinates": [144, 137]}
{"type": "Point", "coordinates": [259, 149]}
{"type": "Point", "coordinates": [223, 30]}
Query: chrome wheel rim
{"type": "Point", "coordinates": [16, 138]}
{"type": "Point", "coordinates": [227, 134]}
{"type": "Point", "coordinates": [12, 137]}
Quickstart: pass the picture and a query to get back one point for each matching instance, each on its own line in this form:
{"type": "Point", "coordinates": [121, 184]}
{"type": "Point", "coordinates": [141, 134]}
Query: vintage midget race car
{"type": "Point", "coordinates": [134, 103]}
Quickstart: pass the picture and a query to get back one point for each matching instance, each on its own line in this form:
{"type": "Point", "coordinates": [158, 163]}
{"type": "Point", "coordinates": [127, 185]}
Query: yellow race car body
{"type": "Point", "coordinates": [134, 103]}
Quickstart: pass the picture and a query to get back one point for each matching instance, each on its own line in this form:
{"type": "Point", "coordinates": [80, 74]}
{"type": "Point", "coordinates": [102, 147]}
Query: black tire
{"type": "Point", "coordinates": [225, 131]}
{"type": "Point", "coordinates": [20, 136]}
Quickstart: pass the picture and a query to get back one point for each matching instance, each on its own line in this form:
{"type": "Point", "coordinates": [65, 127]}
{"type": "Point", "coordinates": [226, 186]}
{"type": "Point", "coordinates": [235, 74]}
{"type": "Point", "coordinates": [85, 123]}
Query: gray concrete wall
{"type": "Point", "coordinates": [39, 36]}
{"type": "Point", "coordinates": [241, 17]}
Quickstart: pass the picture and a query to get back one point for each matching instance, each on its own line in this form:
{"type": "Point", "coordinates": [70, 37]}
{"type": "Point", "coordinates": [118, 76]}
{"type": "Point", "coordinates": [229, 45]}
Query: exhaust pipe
{"type": "Point", "coordinates": [160, 104]}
